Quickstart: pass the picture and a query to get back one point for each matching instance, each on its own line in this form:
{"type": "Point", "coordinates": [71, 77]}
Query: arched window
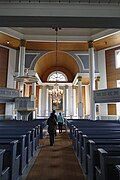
{"type": "Point", "coordinates": [57, 76]}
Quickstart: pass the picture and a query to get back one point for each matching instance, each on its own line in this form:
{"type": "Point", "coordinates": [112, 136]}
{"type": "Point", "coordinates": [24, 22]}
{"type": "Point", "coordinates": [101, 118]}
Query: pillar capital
{"type": "Point", "coordinates": [90, 44]}
{"type": "Point", "coordinates": [79, 78]}
{"type": "Point", "coordinates": [23, 42]}
{"type": "Point", "coordinates": [66, 86]}
{"type": "Point", "coordinates": [74, 87]}
{"type": "Point", "coordinates": [47, 86]}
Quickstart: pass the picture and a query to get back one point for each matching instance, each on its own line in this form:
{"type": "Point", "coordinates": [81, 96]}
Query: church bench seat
{"type": "Point", "coordinates": [92, 154]}
{"type": "Point", "coordinates": [118, 170]}
{"type": "Point", "coordinates": [78, 135]}
{"type": "Point", "coordinates": [43, 126]}
{"type": "Point", "coordinates": [4, 172]}
{"type": "Point", "coordinates": [84, 145]}
{"type": "Point", "coordinates": [28, 142]}
{"type": "Point", "coordinates": [22, 149]}
{"type": "Point", "coordinates": [92, 126]}
{"type": "Point", "coordinates": [11, 157]}
{"type": "Point", "coordinates": [107, 160]}
{"type": "Point", "coordinates": [34, 136]}
{"type": "Point", "coordinates": [24, 124]}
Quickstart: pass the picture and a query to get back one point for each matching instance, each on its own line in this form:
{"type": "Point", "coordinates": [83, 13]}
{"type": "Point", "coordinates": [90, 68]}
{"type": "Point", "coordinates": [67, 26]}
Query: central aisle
{"type": "Point", "coordinates": [56, 162]}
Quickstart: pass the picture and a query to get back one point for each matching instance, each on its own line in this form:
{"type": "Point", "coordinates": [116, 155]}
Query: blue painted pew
{"type": "Point", "coordinates": [83, 157]}
{"type": "Point", "coordinates": [118, 170]}
{"type": "Point", "coordinates": [41, 123]}
{"type": "Point", "coordinates": [24, 124]}
{"type": "Point", "coordinates": [78, 136]}
{"type": "Point", "coordinates": [24, 130]}
{"type": "Point", "coordinates": [92, 153]}
{"type": "Point", "coordinates": [43, 126]}
{"type": "Point", "coordinates": [105, 168]}
{"type": "Point", "coordinates": [22, 149]}
{"type": "Point", "coordinates": [28, 142]}
{"type": "Point", "coordinates": [4, 172]}
{"type": "Point", "coordinates": [11, 157]}
{"type": "Point", "coordinates": [34, 135]}
{"type": "Point", "coordinates": [93, 126]}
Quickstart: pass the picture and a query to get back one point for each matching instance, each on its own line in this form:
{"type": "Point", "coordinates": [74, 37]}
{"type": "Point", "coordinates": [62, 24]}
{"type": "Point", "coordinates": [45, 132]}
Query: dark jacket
{"type": "Point", "coordinates": [51, 122]}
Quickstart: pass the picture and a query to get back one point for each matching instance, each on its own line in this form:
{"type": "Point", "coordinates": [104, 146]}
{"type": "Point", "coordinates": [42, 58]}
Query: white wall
{"type": "Point", "coordinates": [10, 80]}
{"type": "Point", "coordinates": [103, 79]}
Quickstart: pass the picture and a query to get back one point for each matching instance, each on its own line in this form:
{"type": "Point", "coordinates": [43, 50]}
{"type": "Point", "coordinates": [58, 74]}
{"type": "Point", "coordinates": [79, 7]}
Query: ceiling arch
{"type": "Point", "coordinates": [65, 63]}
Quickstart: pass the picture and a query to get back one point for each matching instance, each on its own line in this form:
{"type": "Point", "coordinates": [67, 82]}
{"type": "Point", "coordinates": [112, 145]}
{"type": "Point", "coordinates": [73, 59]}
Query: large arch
{"type": "Point", "coordinates": [65, 63]}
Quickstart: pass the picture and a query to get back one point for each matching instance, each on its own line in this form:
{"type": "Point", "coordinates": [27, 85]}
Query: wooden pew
{"type": "Point", "coordinates": [80, 139]}
{"type": "Point", "coordinates": [4, 173]}
{"type": "Point", "coordinates": [25, 125]}
{"type": "Point", "coordinates": [118, 170]}
{"type": "Point", "coordinates": [22, 149]}
{"type": "Point", "coordinates": [92, 153]}
{"type": "Point", "coordinates": [105, 170]}
{"type": "Point", "coordinates": [23, 130]}
{"type": "Point", "coordinates": [28, 142]}
{"type": "Point", "coordinates": [11, 157]}
{"type": "Point", "coordinates": [37, 124]}
{"type": "Point", "coordinates": [84, 147]}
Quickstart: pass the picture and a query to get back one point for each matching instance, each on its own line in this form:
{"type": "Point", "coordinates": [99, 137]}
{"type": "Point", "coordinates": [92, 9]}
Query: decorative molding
{"type": "Point", "coordinates": [90, 44]}
{"type": "Point", "coordinates": [107, 95]}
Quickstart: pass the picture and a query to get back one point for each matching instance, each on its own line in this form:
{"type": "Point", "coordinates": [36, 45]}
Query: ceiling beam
{"type": "Point", "coordinates": [61, 15]}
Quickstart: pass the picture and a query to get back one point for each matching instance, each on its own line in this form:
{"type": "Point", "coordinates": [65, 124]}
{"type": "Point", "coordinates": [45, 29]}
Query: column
{"type": "Point", "coordinates": [87, 100]}
{"type": "Point", "coordinates": [40, 102]}
{"type": "Point", "coordinates": [66, 100]}
{"type": "Point", "coordinates": [98, 105]}
{"type": "Point", "coordinates": [22, 65]}
{"type": "Point", "coordinates": [33, 98]}
{"type": "Point", "coordinates": [103, 80]}
{"type": "Point", "coordinates": [47, 100]}
{"type": "Point", "coordinates": [70, 101]}
{"type": "Point", "coordinates": [92, 79]}
{"type": "Point", "coordinates": [43, 100]}
{"type": "Point", "coordinates": [74, 101]}
{"type": "Point", "coordinates": [80, 104]}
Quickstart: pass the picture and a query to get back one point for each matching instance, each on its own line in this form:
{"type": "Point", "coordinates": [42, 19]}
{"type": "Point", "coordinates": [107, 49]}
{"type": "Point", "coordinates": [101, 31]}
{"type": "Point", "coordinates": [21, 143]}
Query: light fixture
{"type": "Point", "coordinates": [56, 93]}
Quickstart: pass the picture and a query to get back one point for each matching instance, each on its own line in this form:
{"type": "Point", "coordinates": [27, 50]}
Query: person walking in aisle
{"type": "Point", "coordinates": [51, 122]}
{"type": "Point", "coordinates": [55, 119]}
{"type": "Point", "coordinates": [60, 121]}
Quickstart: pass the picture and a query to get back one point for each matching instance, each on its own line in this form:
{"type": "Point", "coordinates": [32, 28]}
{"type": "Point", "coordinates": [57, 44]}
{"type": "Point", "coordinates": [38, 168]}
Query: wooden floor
{"type": "Point", "coordinates": [56, 162]}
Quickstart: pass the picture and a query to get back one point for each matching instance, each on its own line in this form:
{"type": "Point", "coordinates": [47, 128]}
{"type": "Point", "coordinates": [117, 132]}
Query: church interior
{"type": "Point", "coordinates": [63, 57]}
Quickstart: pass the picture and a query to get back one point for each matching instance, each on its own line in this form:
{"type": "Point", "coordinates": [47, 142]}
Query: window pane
{"type": "Point", "coordinates": [57, 76]}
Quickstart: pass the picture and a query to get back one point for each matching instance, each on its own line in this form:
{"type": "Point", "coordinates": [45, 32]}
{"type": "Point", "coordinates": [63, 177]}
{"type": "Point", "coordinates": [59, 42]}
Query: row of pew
{"type": "Point", "coordinates": [19, 141]}
{"type": "Point", "coordinates": [97, 147]}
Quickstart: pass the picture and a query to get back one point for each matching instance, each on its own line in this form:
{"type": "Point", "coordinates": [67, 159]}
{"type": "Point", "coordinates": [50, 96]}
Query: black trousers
{"type": "Point", "coordinates": [51, 138]}
{"type": "Point", "coordinates": [60, 124]}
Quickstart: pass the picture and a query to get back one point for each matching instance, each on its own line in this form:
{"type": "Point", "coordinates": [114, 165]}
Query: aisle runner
{"type": "Point", "coordinates": [56, 162]}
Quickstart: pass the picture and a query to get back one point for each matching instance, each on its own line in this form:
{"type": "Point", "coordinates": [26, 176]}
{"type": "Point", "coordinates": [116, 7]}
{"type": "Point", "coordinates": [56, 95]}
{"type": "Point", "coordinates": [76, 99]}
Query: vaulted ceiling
{"type": "Point", "coordinates": [64, 63]}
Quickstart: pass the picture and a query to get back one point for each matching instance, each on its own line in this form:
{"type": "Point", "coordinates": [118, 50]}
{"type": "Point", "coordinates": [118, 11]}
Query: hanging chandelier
{"type": "Point", "coordinates": [56, 93]}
